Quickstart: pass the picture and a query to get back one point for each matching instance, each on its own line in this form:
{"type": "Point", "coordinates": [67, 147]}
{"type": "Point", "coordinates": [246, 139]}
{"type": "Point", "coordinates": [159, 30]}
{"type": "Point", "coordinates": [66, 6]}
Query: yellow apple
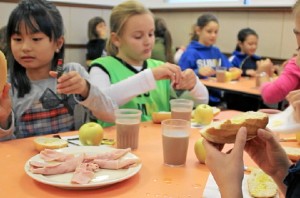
{"type": "Point", "coordinates": [228, 76]}
{"type": "Point", "coordinates": [235, 73]}
{"type": "Point", "coordinates": [203, 114]}
{"type": "Point", "coordinates": [200, 151]}
{"type": "Point", "coordinates": [91, 134]}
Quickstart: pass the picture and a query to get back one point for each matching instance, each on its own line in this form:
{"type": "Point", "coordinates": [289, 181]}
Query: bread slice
{"type": "Point", "coordinates": [158, 117]}
{"type": "Point", "coordinates": [293, 153]}
{"type": "Point", "coordinates": [225, 131]}
{"type": "Point", "coordinates": [3, 71]}
{"type": "Point", "coordinates": [261, 185]}
{"type": "Point", "coordinates": [41, 143]}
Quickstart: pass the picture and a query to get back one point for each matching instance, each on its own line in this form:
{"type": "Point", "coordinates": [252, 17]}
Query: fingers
{"type": "Point", "coordinates": [53, 74]}
{"type": "Point", "coordinates": [71, 83]}
{"type": "Point", "coordinates": [293, 96]}
{"type": "Point", "coordinates": [240, 142]}
{"type": "Point", "coordinates": [188, 81]}
{"type": "Point", "coordinates": [5, 92]}
{"type": "Point", "coordinates": [268, 137]}
{"type": "Point", "coordinates": [209, 148]}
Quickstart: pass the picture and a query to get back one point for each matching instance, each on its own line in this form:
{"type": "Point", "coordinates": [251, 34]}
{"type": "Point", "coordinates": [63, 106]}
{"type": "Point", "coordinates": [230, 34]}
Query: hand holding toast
{"type": "Point", "coordinates": [268, 154]}
{"type": "Point", "coordinates": [229, 181]}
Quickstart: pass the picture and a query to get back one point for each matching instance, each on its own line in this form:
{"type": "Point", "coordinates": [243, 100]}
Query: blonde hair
{"type": "Point", "coordinates": [120, 14]}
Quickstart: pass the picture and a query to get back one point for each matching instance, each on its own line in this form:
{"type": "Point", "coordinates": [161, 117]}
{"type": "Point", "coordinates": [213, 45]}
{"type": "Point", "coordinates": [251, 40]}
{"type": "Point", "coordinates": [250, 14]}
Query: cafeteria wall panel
{"type": "Point", "coordinates": [65, 13]}
{"type": "Point", "coordinates": [230, 24]}
{"type": "Point", "coordinates": [180, 25]}
{"type": "Point", "coordinates": [267, 26]}
{"type": "Point", "coordinates": [5, 10]}
{"type": "Point", "coordinates": [75, 55]}
{"type": "Point", "coordinates": [288, 41]}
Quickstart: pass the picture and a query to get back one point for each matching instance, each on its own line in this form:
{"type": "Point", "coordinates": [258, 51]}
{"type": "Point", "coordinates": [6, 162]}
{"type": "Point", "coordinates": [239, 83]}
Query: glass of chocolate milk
{"type": "Point", "coordinates": [181, 109]}
{"type": "Point", "coordinates": [175, 140]}
{"type": "Point", "coordinates": [128, 125]}
{"type": "Point", "coordinates": [221, 74]}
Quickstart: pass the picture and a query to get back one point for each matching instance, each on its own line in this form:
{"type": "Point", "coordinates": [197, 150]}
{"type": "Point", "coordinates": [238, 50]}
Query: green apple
{"type": "Point", "coordinates": [203, 114]}
{"type": "Point", "coordinates": [200, 150]}
{"type": "Point", "coordinates": [91, 134]}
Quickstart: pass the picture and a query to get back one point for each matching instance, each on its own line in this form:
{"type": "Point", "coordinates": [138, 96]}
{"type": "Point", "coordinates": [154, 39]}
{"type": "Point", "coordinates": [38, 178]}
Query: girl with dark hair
{"type": "Point", "coordinates": [97, 39]}
{"type": "Point", "coordinates": [202, 56]}
{"type": "Point", "coordinates": [244, 55]}
{"type": "Point", "coordinates": [163, 49]}
{"type": "Point", "coordinates": [41, 101]}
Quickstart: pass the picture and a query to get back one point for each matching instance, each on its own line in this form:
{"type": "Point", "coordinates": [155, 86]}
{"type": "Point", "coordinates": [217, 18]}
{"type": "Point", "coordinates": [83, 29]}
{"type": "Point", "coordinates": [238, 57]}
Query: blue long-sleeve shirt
{"type": "Point", "coordinates": [198, 55]}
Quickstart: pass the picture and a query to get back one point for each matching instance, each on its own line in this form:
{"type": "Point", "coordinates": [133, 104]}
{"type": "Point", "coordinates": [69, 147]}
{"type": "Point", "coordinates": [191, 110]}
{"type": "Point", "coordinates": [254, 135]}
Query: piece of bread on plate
{"type": "Point", "coordinates": [293, 153]}
{"type": "Point", "coordinates": [41, 143]}
{"type": "Point", "coordinates": [225, 131]}
{"type": "Point", "coordinates": [261, 185]}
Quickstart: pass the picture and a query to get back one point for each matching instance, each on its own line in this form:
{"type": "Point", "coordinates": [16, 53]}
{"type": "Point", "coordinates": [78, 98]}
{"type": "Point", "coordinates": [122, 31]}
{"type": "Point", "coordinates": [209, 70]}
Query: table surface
{"type": "Point", "coordinates": [243, 85]}
{"type": "Point", "coordinates": [153, 180]}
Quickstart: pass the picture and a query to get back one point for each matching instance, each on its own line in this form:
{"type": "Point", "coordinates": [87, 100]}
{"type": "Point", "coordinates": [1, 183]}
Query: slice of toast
{"type": "Point", "coordinates": [3, 71]}
{"type": "Point", "coordinates": [261, 185]}
{"type": "Point", "coordinates": [293, 153]}
{"type": "Point", "coordinates": [225, 131]}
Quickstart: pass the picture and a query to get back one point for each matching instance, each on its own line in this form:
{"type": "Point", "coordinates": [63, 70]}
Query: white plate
{"type": "Point", "coordinates": [102, 178]}
{"type": "Point", "coordinates": [283, 122]}
{"type": "Point", "coordinates": [212, 191]}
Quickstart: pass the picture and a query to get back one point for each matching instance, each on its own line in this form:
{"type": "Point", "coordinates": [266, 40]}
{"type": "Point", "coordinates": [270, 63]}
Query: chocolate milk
{"type": "Point", "coordinates": [175, 146]}
{"type": "Point", "coordinates": [181, 113]}
{"type": "Point", "coordinates": [221, 75]}
{"type": "Point", "coordinates": [127, 135]}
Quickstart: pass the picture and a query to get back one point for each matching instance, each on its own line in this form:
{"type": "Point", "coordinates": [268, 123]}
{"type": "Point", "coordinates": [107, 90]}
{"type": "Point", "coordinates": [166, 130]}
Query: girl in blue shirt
{"type": "Point", "coordinates": [244, 55]}
{"type": "Point", "coordinates": [201, 55]}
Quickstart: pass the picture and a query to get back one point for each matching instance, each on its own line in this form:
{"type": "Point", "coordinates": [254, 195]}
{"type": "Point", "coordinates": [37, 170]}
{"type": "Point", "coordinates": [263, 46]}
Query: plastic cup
{"type": "Point", "coordinates": [181, 109]}
{"type": "Point", "coordinates": [221, 74]}
{"type": "Point", "coordinates": [128, 125]}
{"type": "Point", "coordinates": [175, 141]}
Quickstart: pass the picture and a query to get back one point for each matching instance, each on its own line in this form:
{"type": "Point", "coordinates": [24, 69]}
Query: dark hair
{"type": "Point", "coordinates": [3, 40]}
{"type": "Point", "coordinates": [242, 36]}
{"type": "Point", "coordinates": [162, 31]}
{"type": "Point", "coordinates": [204, 19]}
{"type": "Point", "coordinates": [38, 16]}
{"type": "Point", "coordinates": [93, 22]}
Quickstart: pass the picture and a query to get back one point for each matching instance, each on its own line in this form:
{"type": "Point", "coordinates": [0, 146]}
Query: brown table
{"type": "Point", "coordinates": [153, 180]}
{"type": "Point", "coordinates": [245, 85]}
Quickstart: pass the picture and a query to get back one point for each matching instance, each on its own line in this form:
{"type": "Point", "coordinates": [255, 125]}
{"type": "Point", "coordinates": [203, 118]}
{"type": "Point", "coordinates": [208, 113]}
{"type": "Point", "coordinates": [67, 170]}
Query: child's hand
{"type": "Point", "coordinates": [188, 80]}
{"type": "Point", "coordinates": [251, 72]}
{"type": "Point", "coordinates": [71, 83]}
{"type": "Point", "coordinates": [294, 99]}
{"type": "Point", "coordinates": [5, 105]}
{"type": "Point", "coordinates": [168, 71]}
{"type": "Point", "coordinates": [206, 71]}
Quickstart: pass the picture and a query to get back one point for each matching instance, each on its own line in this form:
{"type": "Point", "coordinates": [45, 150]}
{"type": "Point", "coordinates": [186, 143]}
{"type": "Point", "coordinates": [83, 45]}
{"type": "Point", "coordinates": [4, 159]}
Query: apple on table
{"type": "Point", "coordinates": [200, 150]}
{"type": "Point", "coordinates": [91, 134]}
{"type": "Point", "coordinates": [203, 114]}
